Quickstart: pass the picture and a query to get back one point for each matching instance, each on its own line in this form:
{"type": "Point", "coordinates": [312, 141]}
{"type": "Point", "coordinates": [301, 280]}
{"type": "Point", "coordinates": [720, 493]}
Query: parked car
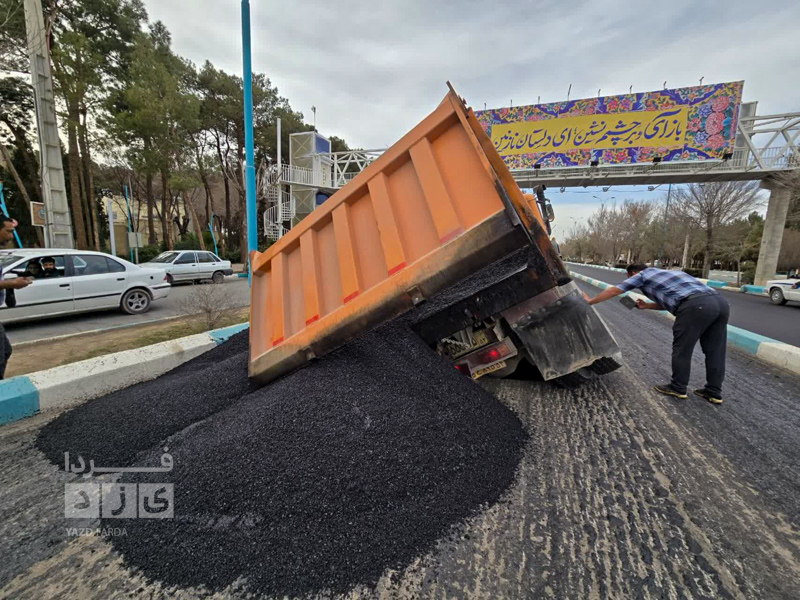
{"type": "Point", "coordinates": [782, 291]}
{"type": "Point", "coordinates": [191, 265]}
{"type": "Point", "coordinates": [82, 281]}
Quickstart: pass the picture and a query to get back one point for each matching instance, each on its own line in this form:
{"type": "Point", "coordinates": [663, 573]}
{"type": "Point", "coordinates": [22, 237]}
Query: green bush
{"type": "Point", "coordinates": [148, 253]}
{"type": "Point", "coordinates": [232, 254]}
{"type": "Point", "coordinates": [748, 272]}
{"type": "Point", "coordinates": [694, 272]}
{"type": "Point", "coordinates": [188, 242]}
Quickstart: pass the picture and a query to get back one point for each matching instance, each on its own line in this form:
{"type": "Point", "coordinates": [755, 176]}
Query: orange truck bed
{"type": "Point", "coordinates": [434, 208]}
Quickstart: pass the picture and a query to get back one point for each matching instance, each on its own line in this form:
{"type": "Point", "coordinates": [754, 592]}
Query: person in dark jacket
{"type": "Point", "coordinates": [701, 313]}
{"type": "Point", "coordinates": [6, 286]}
{"type": "Point", "coordinates": [49, 267]}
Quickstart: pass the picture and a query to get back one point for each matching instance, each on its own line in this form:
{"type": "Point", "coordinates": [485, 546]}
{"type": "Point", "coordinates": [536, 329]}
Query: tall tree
{"type": "Point", "coordinates": [712, 205]}
{"type": "Point", "coordinates": [154, 115]}
{"type": "Point", "coordinates": [90, 42]}
{"type": "Point", "coordinates": [16, 109]}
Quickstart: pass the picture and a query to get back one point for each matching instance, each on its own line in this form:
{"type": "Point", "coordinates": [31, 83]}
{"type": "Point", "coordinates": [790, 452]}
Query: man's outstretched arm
{"type": "Point", "coordinates": [606, 294]}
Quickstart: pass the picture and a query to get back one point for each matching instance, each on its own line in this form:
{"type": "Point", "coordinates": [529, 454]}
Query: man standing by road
{"type": "Point", "coordinates": [6, 234]}
{"type": "Point", "coordinates": [701, 313]}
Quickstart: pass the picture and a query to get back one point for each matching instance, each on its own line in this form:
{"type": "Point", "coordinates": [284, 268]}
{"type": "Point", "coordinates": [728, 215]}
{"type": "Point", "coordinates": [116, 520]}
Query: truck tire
{"type": "Point", "coordinates": [601, 366]}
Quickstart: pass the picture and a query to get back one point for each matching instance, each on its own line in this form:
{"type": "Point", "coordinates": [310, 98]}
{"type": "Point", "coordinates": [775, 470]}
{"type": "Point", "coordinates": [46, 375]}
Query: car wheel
{"type": "Point", "coordinates": [218, 277]}
{"type": "Point", "coordinates": [135, 302]}
{"type": "Point", "coordinates": [776, 295]}
{"type": "Point", "coordinates": [170, 280]}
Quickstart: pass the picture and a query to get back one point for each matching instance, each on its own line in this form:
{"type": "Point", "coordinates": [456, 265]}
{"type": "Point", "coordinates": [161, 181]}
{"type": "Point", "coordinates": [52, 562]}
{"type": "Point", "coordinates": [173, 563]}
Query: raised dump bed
{"type": "Point", "coordinates": [438, 206]}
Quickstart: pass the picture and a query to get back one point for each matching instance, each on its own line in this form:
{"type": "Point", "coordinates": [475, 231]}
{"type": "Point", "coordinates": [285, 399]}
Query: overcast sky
{"type": "Point", "coordinates": [374, 69]}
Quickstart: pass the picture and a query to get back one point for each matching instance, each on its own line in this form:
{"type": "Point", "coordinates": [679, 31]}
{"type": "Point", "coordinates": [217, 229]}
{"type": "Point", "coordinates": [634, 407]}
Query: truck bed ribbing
{"type": "Point", "coordinates": [437, 206]}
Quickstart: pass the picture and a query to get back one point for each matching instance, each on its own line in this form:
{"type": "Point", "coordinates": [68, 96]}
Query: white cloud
{"type": "Point", "coordinates": [374, 69]}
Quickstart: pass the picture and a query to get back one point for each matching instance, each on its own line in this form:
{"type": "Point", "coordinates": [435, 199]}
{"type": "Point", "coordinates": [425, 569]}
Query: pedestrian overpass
{"type": "Point", "coordinates": [766, 146]}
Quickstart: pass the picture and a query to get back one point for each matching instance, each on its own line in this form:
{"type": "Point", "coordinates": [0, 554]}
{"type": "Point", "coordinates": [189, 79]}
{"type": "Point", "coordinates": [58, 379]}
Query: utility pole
{"type": "Point", "coordinates": [666, 213]}
{"type": "Point", "coordinates": [58, 224]}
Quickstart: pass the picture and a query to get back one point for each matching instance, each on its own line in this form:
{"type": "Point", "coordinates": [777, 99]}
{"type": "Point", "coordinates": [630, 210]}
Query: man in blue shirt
{"type": "Point", "coordinates": [701, 313]}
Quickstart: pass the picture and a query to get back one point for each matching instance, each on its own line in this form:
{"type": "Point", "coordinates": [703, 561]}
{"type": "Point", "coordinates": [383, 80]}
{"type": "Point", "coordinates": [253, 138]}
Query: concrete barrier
{"type": "Point", "coordinates": [766, 349]}
{"type": "Point", "coordinates": [71, 384]}
{"type": "Point", "coordinates": [720, 285]}
{"type": "Point", "coordinates": [754, 289]}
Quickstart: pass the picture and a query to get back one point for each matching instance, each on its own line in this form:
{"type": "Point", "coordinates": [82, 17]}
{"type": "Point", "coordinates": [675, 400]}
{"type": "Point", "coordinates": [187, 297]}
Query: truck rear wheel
{"type": "Point", "coordinates": [601, 366]}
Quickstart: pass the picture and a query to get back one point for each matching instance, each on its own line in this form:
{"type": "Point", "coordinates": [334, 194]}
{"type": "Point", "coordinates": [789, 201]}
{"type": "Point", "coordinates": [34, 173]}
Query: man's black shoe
{"type": "Point", "coordinates": [713, 398]}
{"type": "Point", "coordinates": [668, 390]}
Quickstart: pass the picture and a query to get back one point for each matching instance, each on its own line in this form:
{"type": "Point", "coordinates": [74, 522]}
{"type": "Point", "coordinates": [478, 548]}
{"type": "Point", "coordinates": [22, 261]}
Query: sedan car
{"type": "Point", "coordinates": [73, 281]}
{"type": "Point", "coordinates": [191, 265]}
{"type": "Point", "coordinates": [782, 290]}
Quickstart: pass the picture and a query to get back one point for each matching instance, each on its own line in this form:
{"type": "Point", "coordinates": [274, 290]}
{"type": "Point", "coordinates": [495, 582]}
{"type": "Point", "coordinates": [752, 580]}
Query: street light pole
{"type": "Point", "coordinates": [666, 212]}
{"type": "Point", "coordinates": [250, 169]}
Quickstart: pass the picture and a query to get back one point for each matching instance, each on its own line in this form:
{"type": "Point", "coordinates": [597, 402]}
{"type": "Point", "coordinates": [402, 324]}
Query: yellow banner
{"type": "Point", "coordinates": [641, 129]}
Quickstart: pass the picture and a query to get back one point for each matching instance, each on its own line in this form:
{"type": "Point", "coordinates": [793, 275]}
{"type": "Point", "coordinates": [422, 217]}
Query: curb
{"type": "Point", "coordinates": [719, 285]}
{"type": "Point", "coordinates": [66, 385]}
{"type": "Point", "coordinates": [759, 290]}
{"type": "Point", "coordinates": [768, 350]}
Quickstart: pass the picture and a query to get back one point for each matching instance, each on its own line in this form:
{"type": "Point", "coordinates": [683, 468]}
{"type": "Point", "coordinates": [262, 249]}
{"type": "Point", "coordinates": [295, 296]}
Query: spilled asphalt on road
{"type": "Point", "coordinates": [620, 493]}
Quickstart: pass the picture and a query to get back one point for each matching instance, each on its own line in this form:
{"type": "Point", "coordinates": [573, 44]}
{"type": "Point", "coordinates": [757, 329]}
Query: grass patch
{"type": "Point", "coordinates": [46, 355]}
{"type": "Point", "coordinates": [177, 329]}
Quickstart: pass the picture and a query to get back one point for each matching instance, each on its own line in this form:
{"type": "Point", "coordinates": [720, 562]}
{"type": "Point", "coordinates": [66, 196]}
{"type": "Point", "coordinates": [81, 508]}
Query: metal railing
{"type": "Point", "coordinates": [756, 162]}
{"type": "Point", "coordinates": [292, 175]}
{"type": "Point", "coordinates": [283, 209]}
{"type": "Point", "coordinates": [274, 231]}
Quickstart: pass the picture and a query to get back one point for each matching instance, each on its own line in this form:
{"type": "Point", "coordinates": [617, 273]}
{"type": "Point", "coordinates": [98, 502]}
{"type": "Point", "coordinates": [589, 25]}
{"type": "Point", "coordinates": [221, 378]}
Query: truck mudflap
{"type": "Point", "coordinates": [563, 335]}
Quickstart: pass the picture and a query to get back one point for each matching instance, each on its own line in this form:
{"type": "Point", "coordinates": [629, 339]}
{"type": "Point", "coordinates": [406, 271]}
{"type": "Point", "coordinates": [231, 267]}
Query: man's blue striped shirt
{"type": "Point", "coordinates": [667, 288]}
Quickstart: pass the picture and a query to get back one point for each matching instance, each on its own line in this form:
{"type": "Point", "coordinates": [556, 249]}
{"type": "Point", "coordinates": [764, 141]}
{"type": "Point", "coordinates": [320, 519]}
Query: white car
{"type": "Point", "coordinates": [82, 281]}
{"type": "Point", "coordinates": [782, 290]}
{"type": "Point", "coordinates": [191, 265]}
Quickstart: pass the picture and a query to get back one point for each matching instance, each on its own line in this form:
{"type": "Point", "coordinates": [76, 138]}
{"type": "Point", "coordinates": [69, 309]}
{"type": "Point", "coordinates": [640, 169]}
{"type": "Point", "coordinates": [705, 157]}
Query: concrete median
{"type": "Point", "coordinates": [71, 384]}
{"type": "Point", "coordinates": [768, 350]}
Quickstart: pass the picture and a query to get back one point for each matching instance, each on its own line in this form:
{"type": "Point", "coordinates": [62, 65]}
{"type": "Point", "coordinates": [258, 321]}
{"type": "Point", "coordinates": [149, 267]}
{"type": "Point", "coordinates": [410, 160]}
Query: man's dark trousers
{"type": "Point", "coordinates": [701, 317]}
{"type": "Point", "coordinates": [5, 351]}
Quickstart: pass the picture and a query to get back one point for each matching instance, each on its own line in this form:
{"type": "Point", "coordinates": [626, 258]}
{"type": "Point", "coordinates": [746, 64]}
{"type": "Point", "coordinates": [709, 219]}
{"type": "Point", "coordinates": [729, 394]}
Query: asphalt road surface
{"type": "Point", "coordinates": [621, 493]}
{"type": "Point", "coordinates": [750, 312]}
{"type": "Point", "coordinates": [81, 323]}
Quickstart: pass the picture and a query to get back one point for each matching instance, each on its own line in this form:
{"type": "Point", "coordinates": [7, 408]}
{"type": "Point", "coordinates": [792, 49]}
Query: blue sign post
{"type": "Point", "coordinates": [250, 169]}
{"type": "Point", "coordinates": [211, 229]}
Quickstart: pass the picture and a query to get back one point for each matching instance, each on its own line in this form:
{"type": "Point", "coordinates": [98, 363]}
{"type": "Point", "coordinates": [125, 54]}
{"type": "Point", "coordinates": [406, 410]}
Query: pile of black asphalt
{"type": "Point", "coordinates": [327, 477]}
{"type": "Point", "coordinates": [113, 429]}
{"type": "Point", "coordinates": [320, 481]}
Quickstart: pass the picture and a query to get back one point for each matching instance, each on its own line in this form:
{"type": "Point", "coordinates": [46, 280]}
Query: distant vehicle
{"type": "Point", "coordinates": [782, 291]}
{"type": "Point", "coordinates": [191, 265]}
{"type": "Point", "coordinates": [82, 281]}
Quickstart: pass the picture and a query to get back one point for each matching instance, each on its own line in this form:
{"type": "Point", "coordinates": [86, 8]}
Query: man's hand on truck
{"type": "Point", "coordinates": [604, 295]}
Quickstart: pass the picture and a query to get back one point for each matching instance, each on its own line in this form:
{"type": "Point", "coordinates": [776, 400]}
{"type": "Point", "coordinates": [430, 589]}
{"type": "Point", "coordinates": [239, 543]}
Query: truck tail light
{"type": "Point", "coordinates": [494, 353]}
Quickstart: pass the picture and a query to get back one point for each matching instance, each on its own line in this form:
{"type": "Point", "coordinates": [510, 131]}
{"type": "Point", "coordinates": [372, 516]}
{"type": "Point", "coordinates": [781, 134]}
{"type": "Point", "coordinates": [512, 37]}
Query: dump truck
{"type": "Point", "coordinates": [436, 228]}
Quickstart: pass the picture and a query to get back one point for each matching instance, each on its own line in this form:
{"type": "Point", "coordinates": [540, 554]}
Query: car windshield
{"type": "Point", "coordinates": [7, 259]}
{"type": "Point", "coordinates": [165, 257]}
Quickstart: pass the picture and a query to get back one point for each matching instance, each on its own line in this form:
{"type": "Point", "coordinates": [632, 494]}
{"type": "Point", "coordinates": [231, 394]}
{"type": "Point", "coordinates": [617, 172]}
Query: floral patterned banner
{"type": "Point", "coordinates": [695, 123]}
